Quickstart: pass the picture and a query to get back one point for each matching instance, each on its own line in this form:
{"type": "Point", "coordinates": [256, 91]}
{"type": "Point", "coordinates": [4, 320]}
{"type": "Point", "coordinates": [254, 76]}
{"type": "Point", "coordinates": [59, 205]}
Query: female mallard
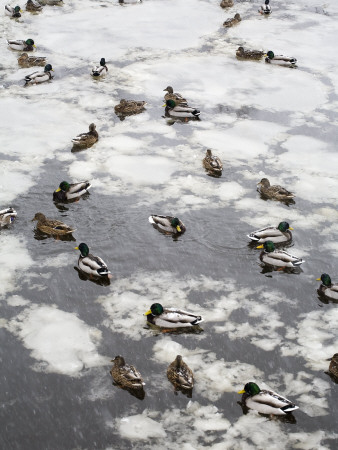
{"type": "Point", "coordinates": [129, 107]}
{"type": "Point", "coordinates": [125, 375]}
{"type": "Point", "coordinates": [226, 3]}
{"type": "Point", "coordinates": [281, 60]}
{"type": "Point", "coordinates": [90, 264]}
{"type": "Point", "coordinates": [51, 226]}
{"type": "Point", "coordinates": [274, 192]}
{"type": "Point", "coordinates": [231, 22]}
{"type": "Point", "coordinates": [13, 12]}
{"type": "Point", "coordinates": [180, 111]}
{"type": "Point", "coordinates": [70, 191]}
{"type": "Point", "coordinates": [28, 61]}
{"type": "Point", "coordinates": [327, 289]}
{"type": "Point", "coordinates": [243, 53]}
{"type": "Point", "coordinates": [39, 77]}
{"type": "Point", "coordinates": [212, 164]}
{"type": "Point", "coordinates": [278, 258]}
{"type": "Point", "coordinates": [265, 9]}
{"type": "Point", "coordinates": [7, 216]}
{"type": "Point", "coordinates": [102, 69]}
{"type": "Point", "coordinates": [86, 140]}
{"type": "Point", "coordinates": [277, 235]}
{"type": "Point", "coordinates": [180, 375]}
{"type": "Point", "coordinates": [33, 6]}
{"type": "Point", "coordinates": [167, 224]}
{"type": "Point", "coordinates": [27, 46]}
{"type": "Point", "coordinates": [333, 368]}
{"type": "Point", "coordinates": [171, 95]}
{"type": "Point", "coordinates": [264, 401]}
{"type": "Point", "coordinates": [171, 317]}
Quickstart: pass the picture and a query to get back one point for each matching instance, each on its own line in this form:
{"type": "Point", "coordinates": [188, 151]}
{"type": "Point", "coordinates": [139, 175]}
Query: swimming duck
{"type": "Point", "coordinates": [33, 6]}
{"type": "Point", "coordinates": [27, 46]}
{"type": "Point", "coordinates": [167, 224]}
{"type": "Point", "coordinates": [265, 9]}
{"type": "Point", "coordinates": [212, 164]}
{"type": "Point", "coordinates": [278, 258]}
{"type": "Point", "coordinates": [70, 191]}
{"type": "Point", "coordinates": [226, 3]}
{"type": "Point", "coordinates": [333, 368]}
{"type": "Point", "coordinates": [180, 375]}
{"type": "Point", "coordinates": [102, 69]}
{"type": "Point", "coordinates": [277, 235]}
{"type": "Point", "coordinates": [180, 111]}
{"type": "Point", "coordinates": [243, 53]}
{"type": "Point", "coordinates": [327, 289]}
{"type": "Point", "coordinates": [86, 140]}
{"type": "Point", "coordinates": [90, 264]}
{"type": "Point", "coordinates": [50, 2]}
{"type": "Point", "coordinates": [274, 192]}
{"type": "Point", "coordinates": [281, 60]}
{"type": "Point", "coordinates": [264, 401]}
{"type": "Point", "coordinates": [231, 22]}
{"type": "Point", "coordinates": [171, 317]}
{"type": "Point", "coordinates": [13, 12]}
{"type": "Point", "coordinates": [51, 226]}
{"type": "Point", "coordinates": [129, 107]}
{"type": "Point", "coordinates": [125, 375]}
{"type": "Point", "coordinates": [28, 61]}
{"type": "Point", "coordinates": [7, 216]}
{"type": "Point", "coordinates": [39, 77]}
{"type": "Point", "coordinates": [171, 95]}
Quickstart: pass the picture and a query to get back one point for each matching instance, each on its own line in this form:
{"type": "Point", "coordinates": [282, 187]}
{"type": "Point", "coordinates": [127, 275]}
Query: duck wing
{"type": "Point", "coordinates": [78, 189]}
{"type": "Point", "coordinates": [176, 318]}
{"type": "Point", "coordinates": [269, 234]}
{"type": "Point", "coordinates": [269, 402]}
{"type": "Point", "coordinates": [95, 264]}
{"type": "Point", "coordinates": [281, 258]}
{"type": "Point", "coordinates": [162, 221]}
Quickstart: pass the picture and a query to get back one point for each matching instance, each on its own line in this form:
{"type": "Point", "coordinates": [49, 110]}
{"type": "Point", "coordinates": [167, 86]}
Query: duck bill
{"type": "Point", "coordinates": [58, 189]}
{"type": "Point", "coordinates": [290, 228]}
{"type": "Point", "coordinates": [164, 105]}
{"type": "Point", "coordinates": [241, 392]}
{"type": "Point", "coordinates": [76, 248]}
{"type": "Point", "coordinates": [178, 228]}
{"type": "Point", "coordinates": [318, 279]}
{"type": "Point", "coordinates": [147, 313]}
{"type": "Point", "coordinates": [260, 246]}
{"type": "Point", "coordinates": [34, 45]}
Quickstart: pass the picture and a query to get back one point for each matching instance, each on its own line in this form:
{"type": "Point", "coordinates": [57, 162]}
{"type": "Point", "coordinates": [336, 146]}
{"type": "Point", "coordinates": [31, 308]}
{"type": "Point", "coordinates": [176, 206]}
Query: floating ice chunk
{"type": "Point", "coordinates": [140, 427]}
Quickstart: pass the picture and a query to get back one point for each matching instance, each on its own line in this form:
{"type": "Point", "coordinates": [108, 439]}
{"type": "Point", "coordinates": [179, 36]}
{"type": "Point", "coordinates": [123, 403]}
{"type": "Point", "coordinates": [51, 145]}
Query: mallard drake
{"type": "Point", "coordinates": [7, 216]}
{"type": "Point", "coordinates": [27, 46]}
{"type": "Point", "coordinates": [243, 53]}
{"type": "Point", "coordinates": [171, 317]}
{"type": "Point", "coordinates": [264, 401]}
{"type": "Point", "coordinates": [226, 3]}
{"type": "Point", "coordinates": [180, 111]}
{"type": "Point", "coordinates": [281, 60]}
{"type": "Point", "coordinates": [86, 140]}
{"type": "Point", "coordinates": [180, 375]}
{"type": "Point", "coordinates": [278, 258]}
{"type": "Point", "coordinates": [167, 224]}
{"type": "Point", "coordinates": [125, 375]}
{"type": "Point", "coordinates": [212, 164]}
{"type": "Point", "coordinates": [265, 9]}
{"type": "Point", "coordinates": [333, 368]}
{"type": "Point", "coordinates": [33, 6]}
{"type": "Point", "coordinates": [90, 264]}
{"type": "Point", "coordinates": [171, 95]}
{"type": "Point", "coordinates": [102, 69]}
{"type": "Point", "coordinates": [277, 235]}
{"type": "Point", "coordinates": [327, 289]}
{"type": "Point", "coordinates": [231, 22]}
{"type": "Point", "coordinates": [129, 107]}
{"type": "Point", "coordinates": [39, 77]}
{"type": "Point", "coordinates": [274, 192]}
{"type": "Point", "coordinates": [70, 191]}
{"type": "Point", "coordinates": [28, 61]}
{"type": "Point", "coordinates": [51, 226]}
{"type": "Point", "coordinates": [13, 12]}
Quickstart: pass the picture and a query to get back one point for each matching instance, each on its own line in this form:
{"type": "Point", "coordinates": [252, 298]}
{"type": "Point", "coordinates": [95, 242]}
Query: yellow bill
{"type": "Point", "coordinates": [260, 246]}
{"type": "Point", "coordinates": [290, 228]}
{"type": "Point", "coordinates": [76, 248]}
{"type": "Point", "coordinates": [147, 313]}
{"type": "Point", "coordinates": [318, 279]}
{"type": "Point", "coordinates": [58, 189]}
{"type": "Point", "coordinates": [178, 228]}
{"type": "Point", "coordinates": [241, 392]}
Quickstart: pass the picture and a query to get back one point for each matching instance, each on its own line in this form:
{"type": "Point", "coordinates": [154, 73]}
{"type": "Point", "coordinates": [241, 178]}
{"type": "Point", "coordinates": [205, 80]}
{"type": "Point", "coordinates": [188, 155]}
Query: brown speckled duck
{"type": "Point", "coordinates": [86, 140]}
{"type": "Point", "coordinates": [33, 6]}
{"type": "Point", "coordinates": [29, 61]}
{"type": "Point", "coordinates": [129, 107]}
{"type": "Point", "coordinates": [125, 375]}
{"type": "Point", "coordinates": [212, 164]}
{"type": "Point", "coordinates": [231, 22]}
{"type": "Point", "coordinates": [171, 95]}
{"type": "Point", "coordinates": [51, 226]}
{"type": "Point", "coordinates": [333, 368]}
{"type": "Point", "coordinates": [180, 375]}
{"type": "Point", "coordinates": [274, 192]}
{"type": "Point", "coordinates": [243, 53]}
{"type": "Point", "coordinates": [226, 3]}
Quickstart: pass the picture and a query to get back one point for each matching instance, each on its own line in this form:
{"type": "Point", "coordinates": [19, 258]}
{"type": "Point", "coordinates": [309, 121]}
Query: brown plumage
{"type": "Point", "coordinates": [129, 107]}
{"type": "Point", "coordinates": [274, 192]}
{"type": "Point", "coordinates": [243, 53]}
{"type": "Point", "coordinates": [333, 368]}
{"type": "Point", "coordinates": [33, 5]}
{"type": "Point", "coordinates": [231, 22]}
{"type": "Point", "coordinates": [125, 375]}
{"type": "Point", "coordinates": [86, 140]}
{"type": "Point", "coordinates": [171, 95]}
{"type": "Point", "coordinates": [226, 3]}
{"type": "Point", "coordinates": [28, 61]}
{"type": "Point", "coordinates": [51, 226]}
{"type": "Point", "coordinates": [212, 164]}
{"type": "Point", "coordinates": [180, 375]}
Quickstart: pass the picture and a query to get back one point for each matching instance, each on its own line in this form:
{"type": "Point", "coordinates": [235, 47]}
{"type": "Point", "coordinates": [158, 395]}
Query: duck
{"type": "Point", "coordinates": [277, 235]}
{"type": "Point", "coordinates": [226, 3]}
{"type": "Point", "coordinates": [167, 224]}
{"type": "Point", "coordinates": [129, 107]}
{"type": "Point", "coordinates": [13, 12]}
{"type": "Point", "coordinates": [180, 375]}
{"type": "Point", "coordinates": [281, 60]}
{"type": "Point", "coordinates": [234, 21]}
{"type": "Point", "coordinates": [90, 264]}
{"type": "Point", "coordinates": [125, 375]}
{"type": "Point", "coordinates": [129, 1]}
{"type": "Point", "coordinates": [180, 111]}
{"type": "Point", "coordinates": [171, 95]}
{"type": "Point", "coordinates": [40, 77]}
{"type": "Point", "coordinates": [21, 45]}
{"type": "Point", "coordinates": [28, 61]}
{"type": "Point", "coordinates": [333, 367]}
{"type": "Point", "coordinates": [171, 317]}
{"type": "Point", "coordinates": [51, 2]}
{"type": "Point", "coordinates": [70, 191]}
{"type": "Point", "coordinates": [278, 258]}
{"type": "Point", "coordinates": [243, 53]}
{"type": "Point", "coordinates": [265, 401]}
{"type": "Point", "coordinates": [265, 9]}
{"type": "Point", "coordinates": [33, 6]}
{"type": "Point", "coordinates": [274, 192]}
{"type": "Point", "coordinates": [7, 216]}
{"type": "Point", "coordinates": [86, 140]}
{"type": "Point", "coordinates": [212, 164]}
{"type": "Point", "coordinates": [327, 289]}
{"type": "Point", "coordinates": [51, 226]}
{"type": "Point", "coordinates": [102, 69]}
